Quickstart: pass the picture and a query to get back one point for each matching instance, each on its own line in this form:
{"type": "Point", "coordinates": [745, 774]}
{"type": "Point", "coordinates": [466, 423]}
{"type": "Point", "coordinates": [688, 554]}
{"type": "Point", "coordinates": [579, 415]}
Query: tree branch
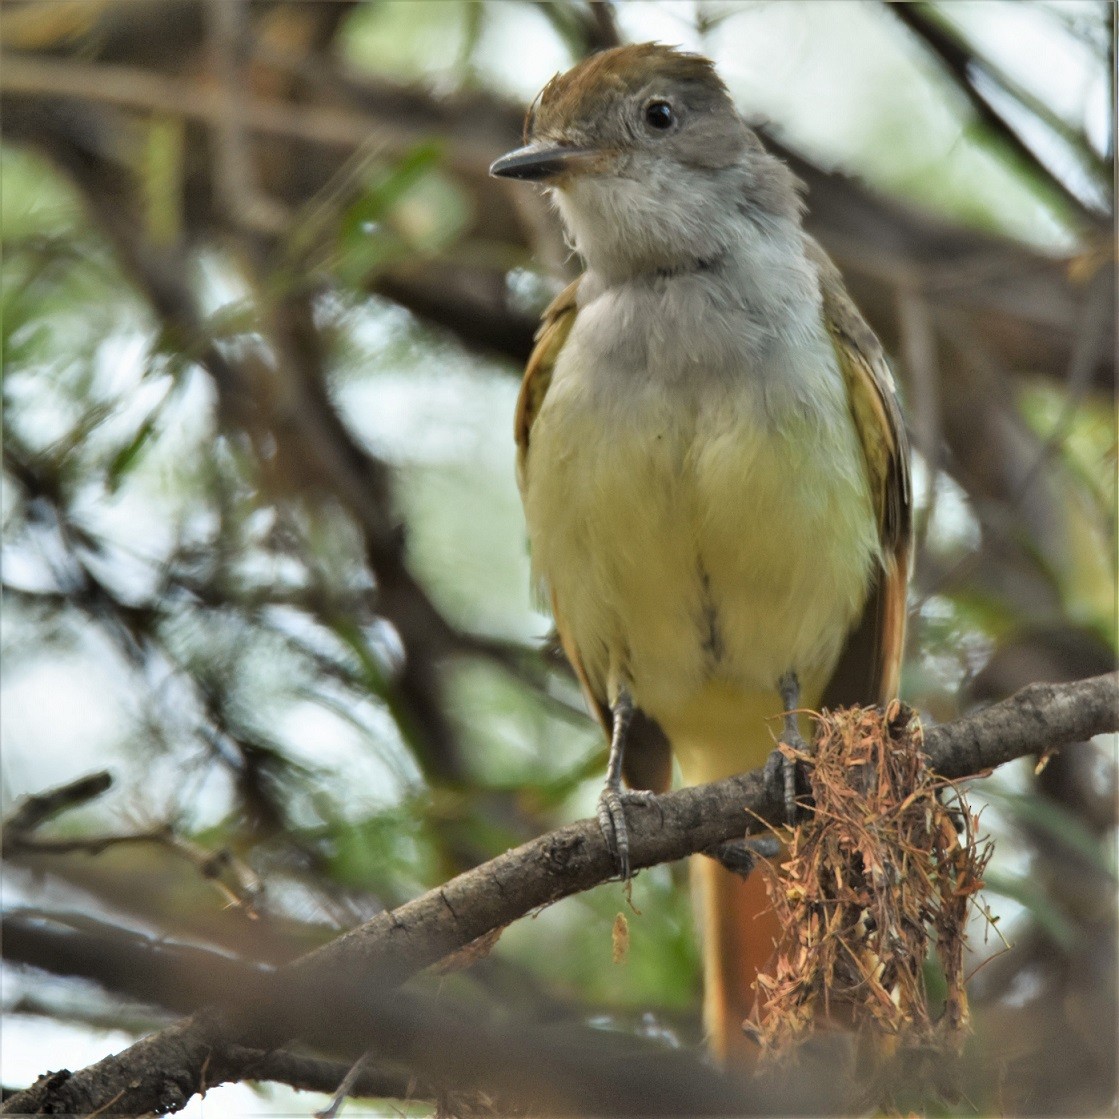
{"type": "Point", "coordinates": [396, 945]}
{"type": "Point", "coordinates": [962, 64]}
{"type": "Point", "coordinates": [30, 812]}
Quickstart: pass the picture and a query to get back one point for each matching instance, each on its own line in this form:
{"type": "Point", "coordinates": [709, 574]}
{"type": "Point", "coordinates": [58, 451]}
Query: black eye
{"type": "Point", "coordinates": [659, 115]}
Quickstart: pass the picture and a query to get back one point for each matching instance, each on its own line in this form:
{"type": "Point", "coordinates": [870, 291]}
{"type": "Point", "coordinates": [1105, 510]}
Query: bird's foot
{"type": "Point", "coordinates": [782, 777]}
{"type": "Point", "coordinates": [783, 772]}
{"type": "Point", "coordinates": [611, 813]}
{"type": "Point", "coordinates": [740, 856]}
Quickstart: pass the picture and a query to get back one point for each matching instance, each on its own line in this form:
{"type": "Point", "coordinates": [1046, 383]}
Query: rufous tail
{"type": "Point", "coordinates": [737, 923]}
{"type": "Point", "coordinates": [739, 931]}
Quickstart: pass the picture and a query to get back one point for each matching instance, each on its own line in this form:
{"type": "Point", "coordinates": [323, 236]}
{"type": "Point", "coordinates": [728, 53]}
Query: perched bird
{"type": "Point", "coordinates": [713, 466]}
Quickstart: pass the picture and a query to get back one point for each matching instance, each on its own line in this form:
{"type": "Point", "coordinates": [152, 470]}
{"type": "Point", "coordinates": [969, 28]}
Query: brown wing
{"type": "Point", "coordinates": [648, 756]}
{"type": "Point", "coordinates": [870, 664]}
{"type": "Point", "coordinates": [555, 326]}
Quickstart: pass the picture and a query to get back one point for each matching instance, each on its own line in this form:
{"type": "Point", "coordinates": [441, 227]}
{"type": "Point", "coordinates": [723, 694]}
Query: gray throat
{"type": "Point", "coordinates": [743, 327]}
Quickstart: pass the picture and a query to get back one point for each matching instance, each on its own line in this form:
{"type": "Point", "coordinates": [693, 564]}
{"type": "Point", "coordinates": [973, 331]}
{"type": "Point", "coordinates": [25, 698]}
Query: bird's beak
{"type": "Point", "coordinates": [540, 162]}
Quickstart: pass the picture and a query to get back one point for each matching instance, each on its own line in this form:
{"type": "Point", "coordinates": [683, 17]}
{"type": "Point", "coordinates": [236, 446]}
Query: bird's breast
{"type": "Point", "coordinates": [695, 519]}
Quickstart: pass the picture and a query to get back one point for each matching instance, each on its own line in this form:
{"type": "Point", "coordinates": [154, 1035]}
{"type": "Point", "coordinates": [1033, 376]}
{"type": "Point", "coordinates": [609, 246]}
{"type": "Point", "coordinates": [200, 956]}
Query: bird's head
{"type": "Point", "coordinates": [648, 159]}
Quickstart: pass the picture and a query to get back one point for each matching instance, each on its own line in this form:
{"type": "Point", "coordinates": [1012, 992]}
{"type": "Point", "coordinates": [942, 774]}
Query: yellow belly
{"type": "Point", "coordinates": [696, 557]}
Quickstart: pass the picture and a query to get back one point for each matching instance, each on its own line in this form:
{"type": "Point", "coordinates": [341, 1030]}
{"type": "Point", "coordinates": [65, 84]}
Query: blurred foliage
{"type": "Point", "coordinates": [177, 609]}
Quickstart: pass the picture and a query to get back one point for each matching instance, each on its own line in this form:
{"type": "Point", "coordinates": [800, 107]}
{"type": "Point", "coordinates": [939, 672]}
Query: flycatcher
{"type": "Point", "coordinates": [713, 466]}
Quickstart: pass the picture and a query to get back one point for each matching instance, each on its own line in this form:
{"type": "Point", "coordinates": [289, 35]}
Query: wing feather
{"type": "Point", "coordinates": [870, 664]}
{"type": "Point", "coordinates": [555, 326]}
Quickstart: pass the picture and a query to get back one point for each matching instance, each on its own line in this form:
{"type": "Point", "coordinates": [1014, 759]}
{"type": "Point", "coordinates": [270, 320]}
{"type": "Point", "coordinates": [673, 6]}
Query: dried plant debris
{"type": "Point", "coordinates": [619, 938]}
{"type": "Point", "coordinates": [469, 954]}
{"type": "Point", "coordinates": [887, 865]}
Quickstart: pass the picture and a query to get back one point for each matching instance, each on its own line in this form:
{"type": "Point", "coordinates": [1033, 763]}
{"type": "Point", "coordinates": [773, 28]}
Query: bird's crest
{"type": "Point", "coordinates": [579, 92]}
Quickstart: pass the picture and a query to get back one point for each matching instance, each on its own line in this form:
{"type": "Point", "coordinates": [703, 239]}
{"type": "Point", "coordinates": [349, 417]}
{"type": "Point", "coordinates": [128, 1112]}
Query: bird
{"type": "Point", "coordinates": [712, 460]}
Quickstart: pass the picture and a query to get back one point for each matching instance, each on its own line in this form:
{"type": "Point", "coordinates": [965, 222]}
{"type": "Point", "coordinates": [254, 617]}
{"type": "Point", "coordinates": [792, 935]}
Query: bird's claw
{"type": "Point", "coordinates": [740, 856]}
{"type": "Point", "coordinates": [611, 814]}
{"type": "Point", "coordinates": [781, 768]}
{"type": "Point", "coordinates": [781, 779]}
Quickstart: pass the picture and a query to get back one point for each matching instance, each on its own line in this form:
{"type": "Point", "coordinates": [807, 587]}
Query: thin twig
{"type": "Point", "coordinates": [344, 1089]}
{"type": "Point", "coordinates": [134, 88]}
{"type": "Point", "coordinates": [961, 64]}
{"type": "Point", "coordinates": [18, 838]}
{"type": "Point", "coordinates": [235, 180]}
{"type": "Point", "coordinates": [32, 811]}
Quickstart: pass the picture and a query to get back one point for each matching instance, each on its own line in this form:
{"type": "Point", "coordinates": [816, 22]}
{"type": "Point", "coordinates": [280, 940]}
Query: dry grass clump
{"type": "Point", "coordinates": [879, 871]}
